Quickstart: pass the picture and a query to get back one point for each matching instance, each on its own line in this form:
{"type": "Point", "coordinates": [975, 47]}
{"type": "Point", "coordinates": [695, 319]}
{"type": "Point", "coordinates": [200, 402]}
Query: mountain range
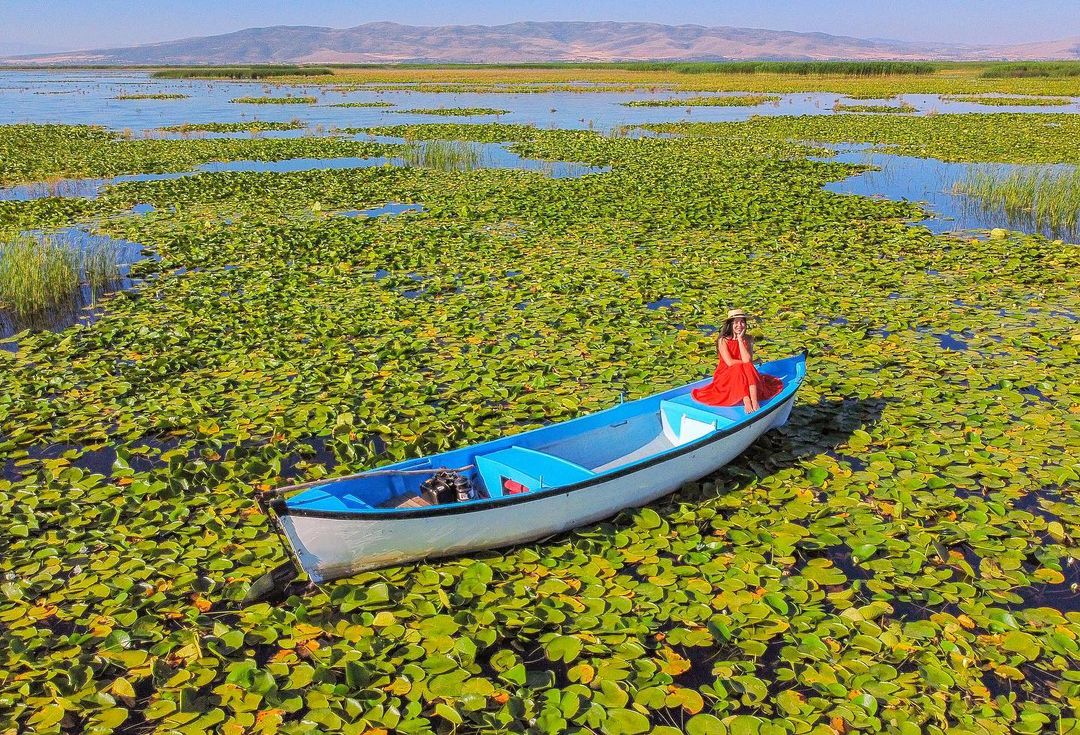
{"type": "Point", "coordinates": [533, 41]}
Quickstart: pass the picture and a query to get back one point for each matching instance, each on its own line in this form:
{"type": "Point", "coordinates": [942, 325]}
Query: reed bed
{"type": "Point", "coordinates": [903, 107]}
{"type": "Point", "coordinates": [850, 68]}
{"type": "Point", "coordinates": [1017, 101]}
{"type": "Point", "coordinates": [40, 273]}
{"type": "Point", "coordinates": [289, 100]}
{"type": "Point", "coordinates": [242, 72]}
{"type": "Point", "coordinates": [364, 104]}
{"type": "Point", "coordinates": [176, 96]}
{"type": "Point", "coordinates": [99, 265]}
{"type": "Point", "coordinates": [1032, 69]}
{"type": "Point", "coordinates": [444, 155]}
{"type": "Point", "coordinates": [453, 111]}
{"type": "Point", "coordinates": [750, 100]}
{"type": "Point", "coordinates": [1047, 199]}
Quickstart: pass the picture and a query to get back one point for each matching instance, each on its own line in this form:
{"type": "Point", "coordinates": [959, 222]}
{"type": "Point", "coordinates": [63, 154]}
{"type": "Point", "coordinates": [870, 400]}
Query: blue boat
{"type": "Point", "coordinates": [523, 487]}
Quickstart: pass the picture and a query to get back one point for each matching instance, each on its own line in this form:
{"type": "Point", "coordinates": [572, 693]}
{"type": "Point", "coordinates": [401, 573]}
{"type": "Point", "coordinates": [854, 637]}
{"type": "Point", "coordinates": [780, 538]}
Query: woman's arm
{"type": "Point", "coordinates": [746, 348]}
{"type": "Point", "coordinates": [722, 353]}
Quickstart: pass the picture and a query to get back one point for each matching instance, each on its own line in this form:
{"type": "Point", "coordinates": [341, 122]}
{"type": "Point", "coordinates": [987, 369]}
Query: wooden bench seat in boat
{"type": "Point", "coordinates": [528, 468]}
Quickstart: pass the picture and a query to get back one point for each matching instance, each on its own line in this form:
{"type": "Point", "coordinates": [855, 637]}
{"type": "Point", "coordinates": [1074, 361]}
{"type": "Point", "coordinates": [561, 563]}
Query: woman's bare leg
{"type": "Point", "coordinates": [754, 405]}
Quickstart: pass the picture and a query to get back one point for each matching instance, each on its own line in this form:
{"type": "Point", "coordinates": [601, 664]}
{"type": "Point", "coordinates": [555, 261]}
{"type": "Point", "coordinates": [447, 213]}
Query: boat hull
{"type": "Point", "coordinates": [330, 547]}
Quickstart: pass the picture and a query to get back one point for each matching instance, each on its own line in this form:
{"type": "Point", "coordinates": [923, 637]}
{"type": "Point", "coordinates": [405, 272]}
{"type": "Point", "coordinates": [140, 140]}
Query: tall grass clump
{"type": "Point", "coordinates": [41, 273]}
{"type": "Point", "coordinates": [37, 274]}
{"type": "Point", "coordinates": [445, 155]}
{"type": "Point", "coordinates": [1046, 200]}
{"type": "Point", "coordinates": [99, 265]}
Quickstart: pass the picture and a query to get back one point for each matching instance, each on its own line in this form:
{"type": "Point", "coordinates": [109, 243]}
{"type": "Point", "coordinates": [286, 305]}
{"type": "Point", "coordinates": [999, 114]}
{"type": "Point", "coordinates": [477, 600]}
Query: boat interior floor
{"type": "Point", "coordinates": [657, 445]}
{"type": "Point", "coordinates": [406, 501]}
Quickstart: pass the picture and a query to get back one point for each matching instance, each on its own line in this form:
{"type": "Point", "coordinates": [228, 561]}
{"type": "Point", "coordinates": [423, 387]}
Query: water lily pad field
{"type": "Point", "coordinates": [901, 557]}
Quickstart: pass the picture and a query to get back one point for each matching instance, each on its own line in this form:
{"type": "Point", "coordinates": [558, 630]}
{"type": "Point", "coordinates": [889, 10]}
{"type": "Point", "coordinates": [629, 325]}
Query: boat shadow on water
{"type": "Point", "coordinates": [811, 430]}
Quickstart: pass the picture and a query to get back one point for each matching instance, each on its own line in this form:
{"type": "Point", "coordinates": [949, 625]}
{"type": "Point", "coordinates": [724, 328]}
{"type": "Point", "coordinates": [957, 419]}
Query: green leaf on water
{"type": "Point", "coordinates": [562, 648]}
{"type": "Point", "coordinates": [626, 722]}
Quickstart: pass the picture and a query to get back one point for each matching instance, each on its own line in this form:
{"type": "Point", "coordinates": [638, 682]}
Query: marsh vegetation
{"type": "Point", "coordinates": [289, 100]}
{"type": "Point", "coordinates": [1039, 198]}
{"type": "Point", "coordinates": [247, 126]}
{"type": "Point", "coordinates": [243, 72]}
{"type": "Point", "coordinates": [378, 103]}
{"type": "Point", "coordinates": [154, 96]}
{"type": "Point", "coordinates": [453, 111]}
{"type": "Point", "coordinates": [901, 557]}
{"type": "Point", "coordinates": [902, 108]}
{"type": "Point", "coordinates": [751, 100]}
{"type": "Point", "coordinates": [444, 155]}
{"type": "Point", "coordinates": [1010, 101]}
{"type": "Point", "coordinates": [43, 272]}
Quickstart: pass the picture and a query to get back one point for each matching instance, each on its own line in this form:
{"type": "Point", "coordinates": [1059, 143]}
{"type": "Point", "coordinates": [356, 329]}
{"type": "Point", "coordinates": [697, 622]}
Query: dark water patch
{"type": "Point", "coordinates": [1031, 390]}
{"type": "Point", "coordinates": [662, 303]}
{"type": "Point", "coordinates": [1037, 685]}
{"type": "Point", "coordinates": [1062, 596]}
{"type": "Point", "coordinates": [1032, 502]}
{"type": "Point", "coordinates": [949, 341]}
{"type": "Point", "coordinates": [843, 559]}
{"type": "Point", "coordinates": [911, 610]}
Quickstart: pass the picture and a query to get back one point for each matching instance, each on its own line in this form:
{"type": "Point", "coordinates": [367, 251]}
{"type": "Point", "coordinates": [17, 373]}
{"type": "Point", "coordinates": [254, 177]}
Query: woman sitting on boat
{"type": "Point", "coordinates": [736, 379]}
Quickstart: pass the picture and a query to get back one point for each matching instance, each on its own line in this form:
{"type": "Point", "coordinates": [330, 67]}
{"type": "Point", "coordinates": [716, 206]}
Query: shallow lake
{"type": "Point", "coordinates": [89, 97]}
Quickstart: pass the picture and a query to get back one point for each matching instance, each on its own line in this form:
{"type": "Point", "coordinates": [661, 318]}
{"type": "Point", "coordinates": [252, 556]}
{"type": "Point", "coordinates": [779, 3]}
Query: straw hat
{"type": "Point", "coordinates": [735, 314]}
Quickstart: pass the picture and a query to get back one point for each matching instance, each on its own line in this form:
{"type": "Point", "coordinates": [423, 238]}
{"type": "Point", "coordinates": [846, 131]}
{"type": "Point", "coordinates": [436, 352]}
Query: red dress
{"type": "Point", "coordinates": [731, 383]}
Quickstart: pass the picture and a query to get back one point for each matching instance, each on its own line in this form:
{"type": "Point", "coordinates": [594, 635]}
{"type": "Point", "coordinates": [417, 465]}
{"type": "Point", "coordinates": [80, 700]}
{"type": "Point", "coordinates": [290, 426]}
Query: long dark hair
{"type": "Point", "coordinates": [727, 329]}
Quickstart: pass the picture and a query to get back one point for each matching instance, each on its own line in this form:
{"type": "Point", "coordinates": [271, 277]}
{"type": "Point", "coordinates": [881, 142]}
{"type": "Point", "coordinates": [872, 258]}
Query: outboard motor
{"type": "Point", "coordinates": [447, 486]}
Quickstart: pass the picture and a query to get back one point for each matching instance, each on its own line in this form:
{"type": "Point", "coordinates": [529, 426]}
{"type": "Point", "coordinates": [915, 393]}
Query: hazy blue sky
{"type": "Point", "coordinates": [39, 25]}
